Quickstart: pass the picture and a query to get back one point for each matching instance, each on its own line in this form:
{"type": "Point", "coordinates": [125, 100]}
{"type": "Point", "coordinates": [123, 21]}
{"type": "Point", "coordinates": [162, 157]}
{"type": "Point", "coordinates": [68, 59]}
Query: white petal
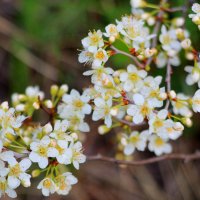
{"type": "Point", "coordinates": [43, 163]}
{"type": "Point", "coordinates": [138, 99]}
{"type": "Point", "coordinates": [25, 164]}
{"type": "Point", "coordinates": [13, 182]}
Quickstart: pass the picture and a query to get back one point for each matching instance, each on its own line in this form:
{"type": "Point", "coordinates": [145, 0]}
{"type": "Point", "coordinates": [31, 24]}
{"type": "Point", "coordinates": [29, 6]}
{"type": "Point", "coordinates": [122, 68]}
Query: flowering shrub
{"type": "Point", "coordinates": [144, 109]}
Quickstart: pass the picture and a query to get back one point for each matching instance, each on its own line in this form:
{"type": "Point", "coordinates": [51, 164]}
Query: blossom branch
{"type": "Point", "coordinates": [117, 51]}
{"type": "Point", "coordinates": [175, 156]}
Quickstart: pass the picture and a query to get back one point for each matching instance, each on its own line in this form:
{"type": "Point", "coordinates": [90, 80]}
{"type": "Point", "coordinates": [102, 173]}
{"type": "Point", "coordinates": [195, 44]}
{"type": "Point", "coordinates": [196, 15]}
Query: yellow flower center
{"type": "Point", "coordinates": [134, 139]}
{"type": "Point", "coordinates": [47, 183]}
{"type": "Point", "coordinates": [133, 77]}
{"type": "Point", "coordinates": [78, 103]}
{"type": "Point", "coordinates": [42, 151]}
{"type": "Point", "coordinates": [15, 170]}
{"type": "Point", "coordinates": [145, 110]}
{"type": "Point", "coordinates": [158, 123]}
{"type": "Point", "coordinates": [100, 55]}
{"type": "Point", "coordinates": [159, 142]}
{"type": "Point", "coordinates": [166, 39]}
{"type": "Point", "coordinates": [3, 186]}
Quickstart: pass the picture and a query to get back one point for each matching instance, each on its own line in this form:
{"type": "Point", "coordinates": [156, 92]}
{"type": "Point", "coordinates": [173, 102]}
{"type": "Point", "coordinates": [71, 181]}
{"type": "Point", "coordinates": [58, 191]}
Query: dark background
{"type": "Point", "coordinates": [39, 42]}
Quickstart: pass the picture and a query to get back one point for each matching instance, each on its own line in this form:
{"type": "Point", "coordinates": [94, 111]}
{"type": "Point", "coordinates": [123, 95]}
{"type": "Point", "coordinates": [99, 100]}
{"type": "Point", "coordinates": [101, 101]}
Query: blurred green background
{"type": "Point", "coordinates": [39, 43]}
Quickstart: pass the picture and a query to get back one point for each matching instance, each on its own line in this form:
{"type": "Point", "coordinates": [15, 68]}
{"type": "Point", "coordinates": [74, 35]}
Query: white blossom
{"type": "Point", "coordinates": [158, 145]}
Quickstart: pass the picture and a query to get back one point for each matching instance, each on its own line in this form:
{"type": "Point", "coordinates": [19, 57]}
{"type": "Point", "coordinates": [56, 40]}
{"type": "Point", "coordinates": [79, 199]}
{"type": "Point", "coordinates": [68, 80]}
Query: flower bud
{"type": "Point", "coordinates": [186, 43]}
{"type": "Point", "coordinates": [179, 21]}
{"type": "Point", "coordinates": [112, 39]}
{"type": "Point", "coordinates": [36, 105]}
{"type": "Point", "coordinates": [187, 121]}
{"type": "Point", "coordinates": [196, 19]}
{"type": "Point", "coordinates": [189, 56]}
{"type": "Point", "coordinates": [35, 173]}
{"type": "Point", "coordinates": [48, 104]}
{"type": "Point", "coordinates": [172, 94]}
{"type": "Point", "coordinates": [4, 105]}
{"type": "Point", "coordinates": [163, 96]}
{"type": "Point", "coordinates": [151, 21]}
{"type": "Point", "coordinates": [103, 129]}
{"type": "Point", "coordinates": [54, 90]}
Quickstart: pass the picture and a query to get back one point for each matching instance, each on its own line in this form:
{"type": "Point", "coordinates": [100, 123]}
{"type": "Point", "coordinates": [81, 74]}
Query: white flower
{"type": "Point", "coordinates": [41, 151]}
{"type": "Point", "coordinates": [134, 141]}
{"type": "Point", "coordinates": [194, 74]}
{"type": "Point", "coordinates": [48, 186]}
{"type": "Point", "coordinates": [140, 109]}
{"type": "Point", "coordinates": [162, 58]}
{"type": "Point", "coordinates": [77, 156]}
{"type": "Point", "coordinates": [100, 75]}
{"type": "Point", "coordinates": [196, 101]}
{"type": "Point", "coordinates": [169, 40]}
{"type": "Point", "coordinates": [171, 130]}
{"type": "Point", "coordinates": [60, 131]}
{"type": "Point", "coordinates": [102, 110]}
{"type": "Point", "coordinates": [64, 183]}
{"type": "Point", "coordinates": [159, 145]}
{"type": "Point", "coordinates": [111, 31]}
{"type": "Point", "coordinates": [17, 173]}
{"type": "Point", "coordinates": [75, 102]}
{"type": "Point", "coordinates": [157, 121]}
{"type": "Point", "coordinates": [5, 189]}
{"type": "Point", "coordinates": [134, 30]}
{"type": "Point", "coordinates": [181, 106]}
{"type": "Point", "coordinates": [76, 121]}
{"type": "Point", "coordinates": [132, 79]}
{"type": "Point", "coordinates": [93, 41]}
{"type": "Point", "coordinates": [64, 152]}
{"type": "Point", "coordinates": [86, 57]}
{"type": "Point", "coordinates": [195, 17]}
{"type": "Point", "coordinates": [151, 90]}
{"type": "Point", "coordinates": [100, 56]}
{"type": "Point", "coordinates": [34, 92]}
{"type": "Point", "coordinates": [9, 122]}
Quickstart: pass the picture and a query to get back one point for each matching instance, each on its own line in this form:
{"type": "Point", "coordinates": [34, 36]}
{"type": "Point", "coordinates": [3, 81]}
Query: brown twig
{"type": "Point", "coordinates": [175, 156]}
{"type": "Point", "coordinates": [117, 51]}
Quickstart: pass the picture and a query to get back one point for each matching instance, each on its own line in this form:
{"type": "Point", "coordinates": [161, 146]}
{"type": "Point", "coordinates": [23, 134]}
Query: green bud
{"type": "Point", "coordinates": [54, 90]}
{"type": "Point", "coordinates": [35, 173]}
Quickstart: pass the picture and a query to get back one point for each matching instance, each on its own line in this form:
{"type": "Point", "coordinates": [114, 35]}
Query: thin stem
{"type": "Point", "coordinates": [156, 31]}
{"type": "Point", "coordinates": [117, 51]}
{"type": "Point", "coordinates": [175, 156]}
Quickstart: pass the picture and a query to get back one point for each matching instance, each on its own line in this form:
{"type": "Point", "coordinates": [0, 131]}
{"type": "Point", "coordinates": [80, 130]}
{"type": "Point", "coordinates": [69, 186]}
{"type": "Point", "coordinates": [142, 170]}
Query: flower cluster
{"type": "Point", "coordinates": [196, 17]}
{"type": "Point", "coordinates": [131, 97]}
{"type": "Point", "coordinates": [50, 150]}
